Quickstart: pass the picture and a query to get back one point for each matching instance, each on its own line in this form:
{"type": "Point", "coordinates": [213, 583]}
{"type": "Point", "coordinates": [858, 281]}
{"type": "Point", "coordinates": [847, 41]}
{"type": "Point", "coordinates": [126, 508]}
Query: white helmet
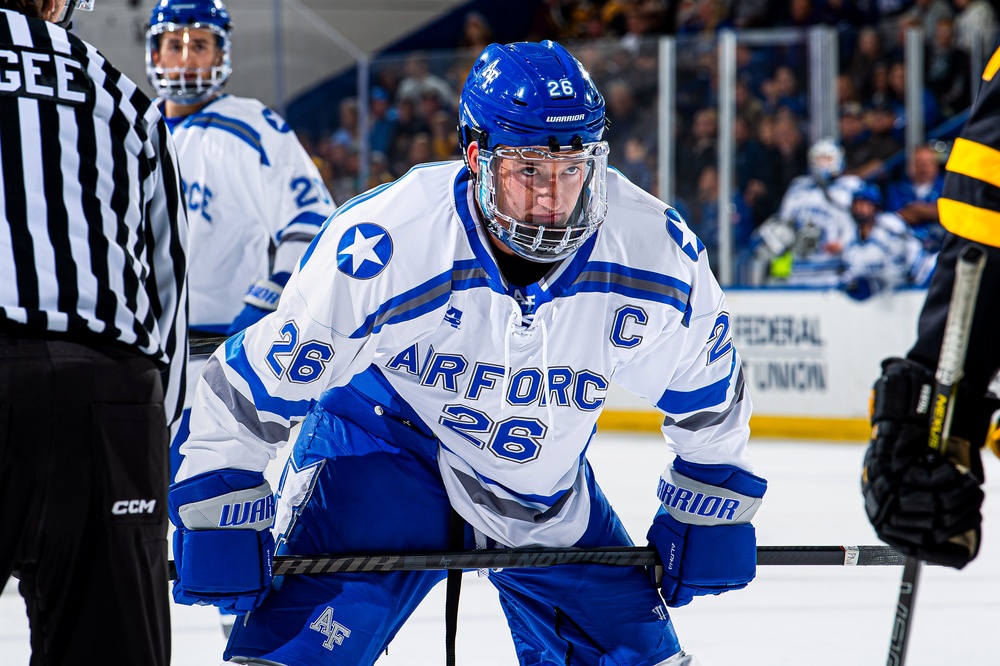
{"type": "Point", "coordinates": [826, 160]}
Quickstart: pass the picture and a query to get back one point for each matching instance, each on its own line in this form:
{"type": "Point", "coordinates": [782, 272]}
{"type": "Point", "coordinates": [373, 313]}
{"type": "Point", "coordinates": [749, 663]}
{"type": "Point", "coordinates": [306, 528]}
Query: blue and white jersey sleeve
{"type": "Point", "coordinates": [690, 369]}
{"type": "Point", "coordinates": [297, 201]}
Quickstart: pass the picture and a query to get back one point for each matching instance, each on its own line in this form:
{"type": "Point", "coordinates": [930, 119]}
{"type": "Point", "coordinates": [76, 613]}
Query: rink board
{"type": "Point", "coordinates": [810, 358]}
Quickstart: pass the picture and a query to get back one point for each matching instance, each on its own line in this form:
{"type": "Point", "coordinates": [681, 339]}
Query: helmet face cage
{"type": "Point", "coordinates": [189, 85]}
{"type": "Point", "coordinates": [543, 205]}
{"type": "Point", "coordinates": [826, 160]}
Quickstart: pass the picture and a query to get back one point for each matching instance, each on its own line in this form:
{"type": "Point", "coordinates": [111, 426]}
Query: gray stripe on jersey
{"type": "Point", "coordinates": [411, 304]}
{"type": "Point", "coordinates": [701, 420]}
{"type": "Point", "coordinates": [635, 283]}
{"type": "Point", "coordinates": [468, 274]}
{"type": "Point", "coordinates": [242, 409]}
{"type": "Point", "coordinates": [506, 507]}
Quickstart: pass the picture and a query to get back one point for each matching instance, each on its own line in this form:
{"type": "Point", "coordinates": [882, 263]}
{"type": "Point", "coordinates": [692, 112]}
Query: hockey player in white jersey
{"type": "Point", "coordinates": [254, 197]}
{"type": "Point", "coordinates": [813, 224]}
{"type": "Point", "coordinates": [885, 253]}
{"type": "Point", "coordinates": [450, 339]}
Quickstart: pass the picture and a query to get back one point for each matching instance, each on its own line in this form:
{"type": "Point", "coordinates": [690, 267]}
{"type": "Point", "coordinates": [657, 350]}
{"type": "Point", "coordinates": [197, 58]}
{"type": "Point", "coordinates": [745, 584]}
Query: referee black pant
{"type": "Point", "coordinates": [83, 483]}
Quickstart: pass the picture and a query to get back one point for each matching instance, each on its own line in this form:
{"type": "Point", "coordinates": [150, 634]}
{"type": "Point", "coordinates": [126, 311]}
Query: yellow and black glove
{"type": "Point", "coordinates": [919, 501]}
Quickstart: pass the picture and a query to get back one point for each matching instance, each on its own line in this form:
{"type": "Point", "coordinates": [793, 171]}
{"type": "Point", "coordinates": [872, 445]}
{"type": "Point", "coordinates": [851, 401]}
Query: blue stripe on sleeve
{"type": "Point", "coordinates": [684, 402]}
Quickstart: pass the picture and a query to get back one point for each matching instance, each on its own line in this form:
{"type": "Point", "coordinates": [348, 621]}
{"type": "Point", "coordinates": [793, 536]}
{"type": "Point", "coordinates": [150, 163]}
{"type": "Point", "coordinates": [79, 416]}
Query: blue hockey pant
{"type": "Point", "coordinates": [377, 488]}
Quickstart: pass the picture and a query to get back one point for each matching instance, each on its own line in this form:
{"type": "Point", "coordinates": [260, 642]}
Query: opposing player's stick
{"type": "Point", "coordinates": [529, 558]}
{"type": "Point", "coordinates": [951, 360]}
{"type": "Point", "coordinates": [206, 346]}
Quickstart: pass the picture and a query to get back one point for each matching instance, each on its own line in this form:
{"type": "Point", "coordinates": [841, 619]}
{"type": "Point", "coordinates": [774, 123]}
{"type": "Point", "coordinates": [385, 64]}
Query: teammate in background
{"type": "Point", "coordinates": [921, 502]}
{"type": "Point", "coordinates": [490, 304]}
{"type": "Point", "coordinates": [254, 197]}
{"type": "Point", "coordinates": [802, 242]}
{"type": "Point", "coordinates": [93, 343]}
{"type": "Point", "coordinates": [885, 253]}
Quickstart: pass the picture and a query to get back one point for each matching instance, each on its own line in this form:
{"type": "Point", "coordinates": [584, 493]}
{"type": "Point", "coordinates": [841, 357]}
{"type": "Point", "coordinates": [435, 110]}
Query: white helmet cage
{"type": "Point", "coordinates": [826, 160]}
{"type": "Point", "coordinates": [552, 239]}
{"type": "Point", "coordinates": [188, 85]}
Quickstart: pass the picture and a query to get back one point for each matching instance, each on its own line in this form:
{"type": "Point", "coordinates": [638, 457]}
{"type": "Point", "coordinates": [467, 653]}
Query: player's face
{"type": "Point", "coordinates": [183, 52]}
{"type": "Point", "coordinates": [535, 188]}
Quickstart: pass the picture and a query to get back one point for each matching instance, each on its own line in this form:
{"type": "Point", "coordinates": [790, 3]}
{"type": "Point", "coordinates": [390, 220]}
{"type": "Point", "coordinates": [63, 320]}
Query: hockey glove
{"type": "Point", "coordinates": [702, 531]}
{"type": "Point", "coordinates": [261, 299]}
{"type": "Point", "coordinates": [920, 502]}
{"type": "Point", "coordinates": [223, 545]}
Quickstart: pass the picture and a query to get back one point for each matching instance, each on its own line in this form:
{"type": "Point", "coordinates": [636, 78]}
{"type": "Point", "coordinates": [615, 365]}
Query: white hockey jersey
{"type": "Point", "coordinates": [402, 277]}
{"type": "Point", "coordinates": [254, 200]}
{"type": "Point", "coordinates": [891, 255]}
{"type": "Point", "coordinates": [828, 211]}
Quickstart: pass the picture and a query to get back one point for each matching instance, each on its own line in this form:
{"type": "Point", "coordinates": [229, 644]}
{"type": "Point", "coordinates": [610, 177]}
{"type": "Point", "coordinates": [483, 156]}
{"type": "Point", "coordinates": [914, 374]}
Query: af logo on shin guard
{"type": "Point", "coordinates": [334, 631]}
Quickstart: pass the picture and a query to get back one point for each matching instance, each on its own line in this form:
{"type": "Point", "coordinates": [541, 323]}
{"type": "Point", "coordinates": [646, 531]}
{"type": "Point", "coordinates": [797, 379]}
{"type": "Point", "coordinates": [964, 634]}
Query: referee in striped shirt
{"type": "Point", "coordinates": [93, 342]}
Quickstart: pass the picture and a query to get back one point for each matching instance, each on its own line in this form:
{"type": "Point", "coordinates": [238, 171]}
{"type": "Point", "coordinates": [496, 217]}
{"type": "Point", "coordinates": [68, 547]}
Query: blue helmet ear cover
{"type": "Point", "coordinates": [529, 94]}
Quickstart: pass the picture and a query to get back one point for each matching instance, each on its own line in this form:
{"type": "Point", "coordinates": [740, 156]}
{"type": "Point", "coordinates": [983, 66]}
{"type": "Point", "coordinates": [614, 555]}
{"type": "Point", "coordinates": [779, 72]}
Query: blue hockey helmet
{"type": "Point", "coordinates": [187, 85]}
{"type": "Point", "coordinates": [869, 192]}
{"type": "Point", "coordinates": [534, 111]}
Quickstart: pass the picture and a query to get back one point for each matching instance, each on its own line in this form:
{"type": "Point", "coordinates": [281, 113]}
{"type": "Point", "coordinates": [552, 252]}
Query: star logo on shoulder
{"type": "Point", "coordinates": [364, 251]}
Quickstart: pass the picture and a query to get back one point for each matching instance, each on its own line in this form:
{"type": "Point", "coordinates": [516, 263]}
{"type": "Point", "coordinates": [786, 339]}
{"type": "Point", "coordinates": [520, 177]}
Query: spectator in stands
{"type": "Point", "coordinates": [444, 139]}
{"type": "Point", "coordinates": [884, 253]}
{"type": "Point", "coordinates": [697, 149]}
{"type": "Point", "coordinates": [878, 88]}
{"type": "Point", "coordinates": [748, 105]}
{"type": "Point", "coordinates": [704, 219]}
{"type": "Point", "coordinates": [421, 150]}
{"type": "Point", "coordinates": [782, 90]}
{"type": "Point", "coordinates": [702, 17]}
{"type": "Point", "coordinates": [408, 125]}
{"type": "Point", "coordinates": [626, 118]}
{"type": "Point", "coordinates": [378, 170]}
{"type": "Point", "coordinates": [881, 144]}
{"type": "Point", "coordinates": [926, 14]}
{"type": "Point", "coordinates": [790, 150]}
{"type": "Point", "coordinates": [845, 90]}
{"type": "Point", "coordinates": [976, 22]}
{"type": "Point", "coordinates": [420, 79]}
{"type": "Point", "coordinates": [347, 130]}
{"type": "Point", "coordinates": [866, 55]}
{"type": "Point", "coordinates": [914, 197]}
{"type": "Point", "coordinates": [638, 165]}
{"type": "Point", "coordinates": [381, 120]}
{"type": "Point", "coordinates": [946, 70]}
{"type": "Point", "coordinates": [897, 88]}
{"type": "Point", "coordinates": [853, 133]}
{"type": "Point", "coordinates": [754, 172]}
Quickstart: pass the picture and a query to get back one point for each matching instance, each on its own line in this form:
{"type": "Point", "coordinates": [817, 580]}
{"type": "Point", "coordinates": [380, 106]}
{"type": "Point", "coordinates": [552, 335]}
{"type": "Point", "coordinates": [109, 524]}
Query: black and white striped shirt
{"type": "Point", "coordinates": [94, 245]}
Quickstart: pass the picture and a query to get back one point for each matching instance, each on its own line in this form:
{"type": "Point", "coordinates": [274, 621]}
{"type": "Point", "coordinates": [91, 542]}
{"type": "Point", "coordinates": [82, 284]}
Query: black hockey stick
{"type": "Point", "coordinates": [206, 346]}
{"type": "Point", "coordinates": [968, 272]}
{"type": "Point", "coordinates": [527, 558]}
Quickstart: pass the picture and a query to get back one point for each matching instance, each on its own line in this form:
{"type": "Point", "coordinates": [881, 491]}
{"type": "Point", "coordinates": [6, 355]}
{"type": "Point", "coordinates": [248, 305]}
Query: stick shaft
{"type": "Point", "coordinates": [524, 558]}
{"type": "Point", "coordinates": [951, 361]}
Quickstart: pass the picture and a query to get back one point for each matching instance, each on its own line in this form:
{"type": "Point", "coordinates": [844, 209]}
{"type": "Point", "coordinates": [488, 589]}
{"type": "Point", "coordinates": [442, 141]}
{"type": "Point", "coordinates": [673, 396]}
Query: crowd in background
{"type": "Point", "coordinates": [413, 102]}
